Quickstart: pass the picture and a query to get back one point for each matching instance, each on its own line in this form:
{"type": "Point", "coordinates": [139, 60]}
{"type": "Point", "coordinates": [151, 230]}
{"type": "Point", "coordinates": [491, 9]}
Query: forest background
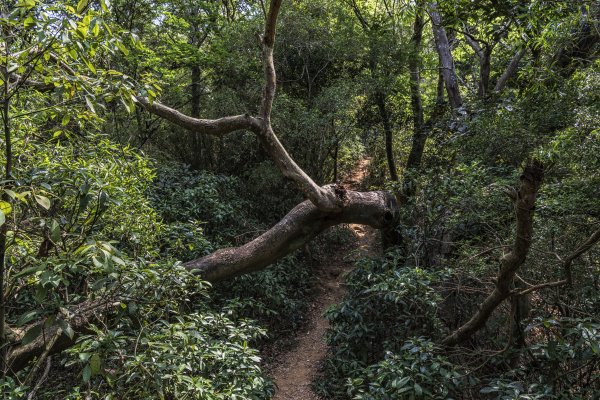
{"type": "Point", "coordinates": [481, 122]}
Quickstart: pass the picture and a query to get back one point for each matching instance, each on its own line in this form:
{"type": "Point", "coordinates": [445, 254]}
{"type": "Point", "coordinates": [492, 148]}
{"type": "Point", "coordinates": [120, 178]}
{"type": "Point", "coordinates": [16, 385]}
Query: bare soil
{"type": "Point", "coordinates": [293, 371]}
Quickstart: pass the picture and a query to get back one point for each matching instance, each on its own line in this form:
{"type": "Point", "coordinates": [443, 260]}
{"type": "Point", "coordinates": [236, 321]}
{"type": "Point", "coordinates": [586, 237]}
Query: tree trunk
{"type": "Point", "coordinates": [445, 55]}
{"type": "Point", "coordinates": [304, 222]}
{"type": "Point", "coordinates": [524, 199]}
{"type": "Point", "coordinates": [387, 130]}
{"type": "Point", "coordinates": [414, 65]}
{"type": "Point", "coordinates": [510, 71]}
{"type": "Point", "coordinates": [484, 71]}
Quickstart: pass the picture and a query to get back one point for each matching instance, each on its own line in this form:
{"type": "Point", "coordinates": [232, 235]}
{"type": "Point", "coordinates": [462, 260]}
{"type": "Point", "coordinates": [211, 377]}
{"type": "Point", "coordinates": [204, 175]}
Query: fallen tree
{"type": "Point", "coordinates": [326, 206]}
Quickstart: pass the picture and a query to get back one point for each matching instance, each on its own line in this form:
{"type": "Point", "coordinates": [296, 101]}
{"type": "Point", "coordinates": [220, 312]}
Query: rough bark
{"type": "Point", "coordinates": [304, 222]}
{"type": "Point", "coordinates": [510, 263]}
{"type": "Point", "coordinates": [445, 55]}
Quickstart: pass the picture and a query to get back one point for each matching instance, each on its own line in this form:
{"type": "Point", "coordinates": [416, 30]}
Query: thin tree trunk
{"type": "Point", "coordinates": [445, 55]}
{"type": "Point", "coordinates": [524, 204]}
{"type": "Point", "coordinates": [484, 71]}
{"type": "Point", "coordinates": [387, 129]}
{"type": "Point", "coordinates": [510, 71]}
{"type": "Point", "coordinates": [414, 64]}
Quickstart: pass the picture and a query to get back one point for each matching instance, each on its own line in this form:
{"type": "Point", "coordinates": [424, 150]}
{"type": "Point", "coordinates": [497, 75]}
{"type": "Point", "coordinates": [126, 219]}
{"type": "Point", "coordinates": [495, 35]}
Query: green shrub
{"type": "Point", "coordinates": [417, 371]}
{"type": "Point", "coordinates": [386, 305]}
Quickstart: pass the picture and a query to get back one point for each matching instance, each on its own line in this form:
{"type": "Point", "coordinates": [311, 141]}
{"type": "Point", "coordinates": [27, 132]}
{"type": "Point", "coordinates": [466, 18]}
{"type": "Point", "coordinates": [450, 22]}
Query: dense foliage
{"type": "Point", "coordinates": [102, 203]}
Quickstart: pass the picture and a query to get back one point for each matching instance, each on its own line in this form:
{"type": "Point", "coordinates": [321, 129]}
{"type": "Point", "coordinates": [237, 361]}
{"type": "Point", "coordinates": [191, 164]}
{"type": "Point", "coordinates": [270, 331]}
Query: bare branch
{"type": "Point", "coordinates": [568, 279]}
{"type": "Point", "coordinates": [509, 264]}
{"type": "Point", "coordinates": [268, 41]}
{"type": "Point", "coordinates": [471, 41]}
{"type": "Point", "coordinates": [324, 198]}
{"type": "Point", "coordinates": [592, 240]}
{"type": "Point", "coordinates": [215, 127]}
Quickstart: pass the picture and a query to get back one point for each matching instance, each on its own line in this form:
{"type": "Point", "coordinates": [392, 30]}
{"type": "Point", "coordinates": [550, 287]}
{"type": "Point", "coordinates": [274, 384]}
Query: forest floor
{"type": "Point", "coordinates": [293, 371]}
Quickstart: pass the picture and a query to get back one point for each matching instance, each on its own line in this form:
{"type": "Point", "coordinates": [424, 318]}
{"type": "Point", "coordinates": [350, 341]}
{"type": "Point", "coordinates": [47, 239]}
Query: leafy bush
{"type": "Point", "coordinates": [277, 296]}
{"type": "Point", "coordinates": [415, 372]}
{"type": "Point", "coordinates": [386, 305]}
{"type": "Point", "coordinates": [185, 196]}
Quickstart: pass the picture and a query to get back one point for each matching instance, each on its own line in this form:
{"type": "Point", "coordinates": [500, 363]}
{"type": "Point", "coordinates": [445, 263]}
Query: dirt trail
{"type": "Point", "coordinates": [293, 371]}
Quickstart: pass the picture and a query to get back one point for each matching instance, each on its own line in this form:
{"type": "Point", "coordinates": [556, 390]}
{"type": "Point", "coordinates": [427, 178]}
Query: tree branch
{"type": "Point", "coordinates": [215, 127]}
{"type": "Point", "coordinates": [304, 222]}
{"type": "Point", "coordinates": [509, 264]}
{"type": "Point", "coordinates": [446, 61]}
{"type": "Point", "coordinates": [79, 319]}
{"type": "Point", "coordinates": [568, 279]}
{"type": "Point", "coordinates": [511, 69]}
{"type": "Point", "coordinates": [324, 198]}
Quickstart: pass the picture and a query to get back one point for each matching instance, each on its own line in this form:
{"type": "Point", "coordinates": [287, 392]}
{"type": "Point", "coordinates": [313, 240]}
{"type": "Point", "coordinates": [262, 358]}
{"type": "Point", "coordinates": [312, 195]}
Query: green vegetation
{"type": "Point", "coordinates": [146, 254]}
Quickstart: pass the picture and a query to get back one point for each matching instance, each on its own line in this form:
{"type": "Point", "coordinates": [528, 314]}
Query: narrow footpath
{"type": "Point", "coordinates": [294, 371]}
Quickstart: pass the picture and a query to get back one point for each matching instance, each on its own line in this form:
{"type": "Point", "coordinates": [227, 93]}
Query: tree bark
{"type": "Point", "coordinates": [445, 55]}
{"type": "Point", "coordinates": [304, 222]}
{"type": "Point", "coordinates": [510, 71]}
{"type": "Point", "coordinates": [531, 181]}
{"type": "Point", "coordinates": [387, 130]}
{"type": "Point", "coordinates": [414, 65]}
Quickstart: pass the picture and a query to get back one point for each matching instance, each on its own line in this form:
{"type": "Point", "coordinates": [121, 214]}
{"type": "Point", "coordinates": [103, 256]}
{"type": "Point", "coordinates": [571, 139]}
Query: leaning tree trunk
{"type": "Point", "coordinates": [524, 204]}
{"type": "Point", "coordinates": [325, 206]}
{"type": "Point", "coordinates": [445, 55]}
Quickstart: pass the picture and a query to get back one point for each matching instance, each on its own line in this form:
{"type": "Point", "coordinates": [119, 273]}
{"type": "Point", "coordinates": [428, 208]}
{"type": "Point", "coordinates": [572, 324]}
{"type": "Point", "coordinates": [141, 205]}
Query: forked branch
{"type": "Point", "coordinates": [325, 198]}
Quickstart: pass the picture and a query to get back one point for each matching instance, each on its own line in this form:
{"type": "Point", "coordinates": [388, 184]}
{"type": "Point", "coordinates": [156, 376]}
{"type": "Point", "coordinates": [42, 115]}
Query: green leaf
{"type": "Point", "coordinates": [28, 316]}
{"type": "Point", "coordinates": [81, 6]}
{"type": "Point", "coordinates": [122, 47]}
{"type": "Point", "coordinates": [87, 374]}
{"type": "Point", "coordinates": [104, 4]}
{"type": "Point", "coordinates": [32, 334]}
{"type": "Point", "coordinates": [28, 271]}
{"type": "Point", "coordinates": [29, 21]}
{"type": "Point", "coordinates": [88, 100]}
{"type": "Point", "coordinates": [55, 231]}
{"type": "Point", "coordinates": [2, 218]}
{"type": "Point", "coordinates": [418, 389]}
{"type": "Point", "coordinates": [43, 201]}
{"type": "Point", "coordinates": [26, 4]}
{"type": "Point", "coordinates": [66, 328]}
{"type": "Point", "coordinates": [95, 364]}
